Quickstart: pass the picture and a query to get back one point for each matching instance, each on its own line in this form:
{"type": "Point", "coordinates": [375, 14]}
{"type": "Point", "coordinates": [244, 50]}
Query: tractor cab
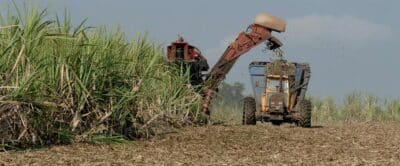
{"type": "Point", "coordinates": [276, 94]}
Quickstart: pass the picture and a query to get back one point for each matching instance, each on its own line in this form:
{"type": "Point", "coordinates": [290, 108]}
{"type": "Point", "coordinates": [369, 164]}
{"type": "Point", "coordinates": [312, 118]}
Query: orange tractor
{"type": "Point", "coordinates": [282, 104]}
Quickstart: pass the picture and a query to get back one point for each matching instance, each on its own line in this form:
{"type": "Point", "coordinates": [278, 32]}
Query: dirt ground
{"type": "Point", "coordinates": [355, 144]}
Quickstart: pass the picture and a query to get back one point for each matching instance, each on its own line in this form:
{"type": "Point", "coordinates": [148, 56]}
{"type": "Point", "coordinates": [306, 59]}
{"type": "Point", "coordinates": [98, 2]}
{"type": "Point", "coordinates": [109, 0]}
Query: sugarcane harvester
{"type": "Point", "coordinates": [285, 102]}
{"type": "Point", "coordinates": [189, 58]}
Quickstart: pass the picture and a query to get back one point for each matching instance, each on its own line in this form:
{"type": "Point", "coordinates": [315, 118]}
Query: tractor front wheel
{"type": "Point", "coordinates": [249, 111]}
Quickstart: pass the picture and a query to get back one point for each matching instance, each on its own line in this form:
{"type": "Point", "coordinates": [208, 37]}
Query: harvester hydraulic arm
{"type": "Point", "coordinates": [243, 43]}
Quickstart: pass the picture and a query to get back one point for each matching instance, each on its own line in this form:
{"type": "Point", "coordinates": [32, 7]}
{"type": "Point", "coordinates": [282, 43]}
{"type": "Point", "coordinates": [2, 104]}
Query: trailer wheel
{"type": "Point", "coordinates": [305, 114]}
{"type": "Point", "coordinates": [249, 111]}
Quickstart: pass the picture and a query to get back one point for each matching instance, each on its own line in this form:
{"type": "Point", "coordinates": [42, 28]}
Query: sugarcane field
{"type": "Point", "coordinates": [102, 82]}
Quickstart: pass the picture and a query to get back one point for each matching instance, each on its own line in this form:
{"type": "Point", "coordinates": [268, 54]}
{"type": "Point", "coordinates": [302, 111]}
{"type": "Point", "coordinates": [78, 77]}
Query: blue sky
{"type": "Point", "coordinates": [350, 44]}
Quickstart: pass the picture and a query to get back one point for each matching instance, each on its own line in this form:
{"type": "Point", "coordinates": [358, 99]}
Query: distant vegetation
{"type": "Point", "coordinates": [62, 84]}
{"type": "Point", "coordinates": [356, 107]}
{"type": "Point", "coordinates": [228, 103]}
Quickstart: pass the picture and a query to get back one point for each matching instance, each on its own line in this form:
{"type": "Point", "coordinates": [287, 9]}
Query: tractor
{"type": "Point", "coordinates": [279, 89]}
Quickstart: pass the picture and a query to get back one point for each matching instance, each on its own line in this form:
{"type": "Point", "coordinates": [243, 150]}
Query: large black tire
{"type": "Point", "coordinates": [249, 111]}
{"type": "Point", "coordinates": [305, 114]}
{"type": "Point", "coordinates": [276, 122]}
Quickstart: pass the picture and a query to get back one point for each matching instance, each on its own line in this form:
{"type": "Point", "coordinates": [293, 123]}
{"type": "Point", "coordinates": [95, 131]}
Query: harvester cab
{"type": "Point", "coordinates": [189, 58]}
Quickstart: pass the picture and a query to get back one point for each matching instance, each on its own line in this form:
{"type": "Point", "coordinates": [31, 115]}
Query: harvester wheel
{"type": "Point", "coordinates": [249, 111]}
{"type": "Point", "coordinates": [305, 114]}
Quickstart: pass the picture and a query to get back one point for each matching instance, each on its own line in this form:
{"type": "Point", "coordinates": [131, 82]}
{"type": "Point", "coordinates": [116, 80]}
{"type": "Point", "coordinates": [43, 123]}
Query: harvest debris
{"type": "Point", "coordinates": [361, 143]}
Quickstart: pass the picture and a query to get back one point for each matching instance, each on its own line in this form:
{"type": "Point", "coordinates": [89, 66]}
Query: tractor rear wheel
{"type": "Point", "coordinates": [249, 111]}
{"type": "Point", "coordinates": [305, 114]}
{"type": "Point", "coordinates": [276, 122]}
